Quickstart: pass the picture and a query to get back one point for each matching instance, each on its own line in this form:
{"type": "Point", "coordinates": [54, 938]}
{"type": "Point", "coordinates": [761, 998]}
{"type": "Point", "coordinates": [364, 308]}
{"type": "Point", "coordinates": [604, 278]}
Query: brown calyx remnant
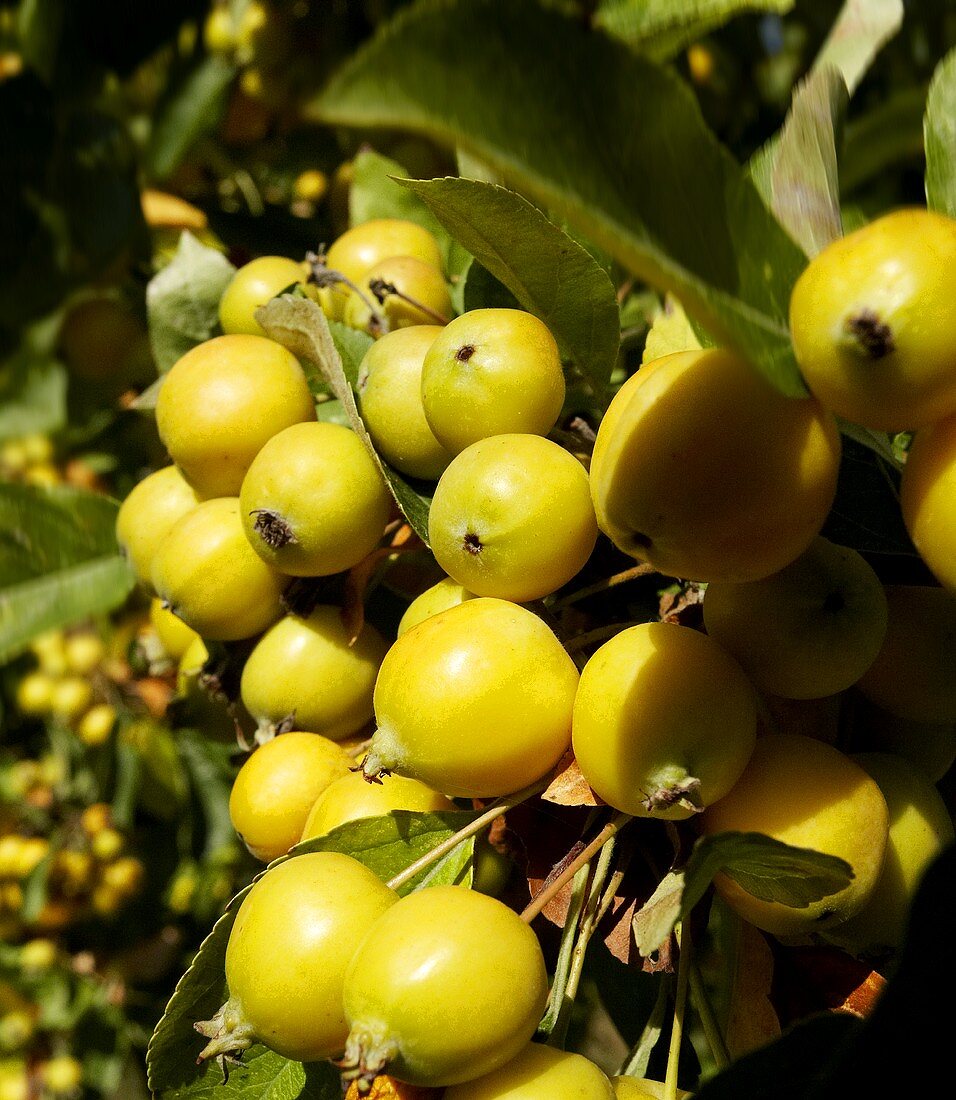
{"type": "Point", "coordinates": [465, 352]}
{"type": "Point", "coordinates": [686, 793]}
{"type": "Point", "coordinates": [871, 335]}
{"type": "Point", "coordinates": [273, 529]}
{"type": "Point", "coordinates": [472, 544]}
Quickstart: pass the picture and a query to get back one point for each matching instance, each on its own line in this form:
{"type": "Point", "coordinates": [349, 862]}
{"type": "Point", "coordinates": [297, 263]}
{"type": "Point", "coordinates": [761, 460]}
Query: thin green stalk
{"type": "Point", "coordinates": [708, 1019]}
{"type": "Point", "coordinates": [680, 1004]}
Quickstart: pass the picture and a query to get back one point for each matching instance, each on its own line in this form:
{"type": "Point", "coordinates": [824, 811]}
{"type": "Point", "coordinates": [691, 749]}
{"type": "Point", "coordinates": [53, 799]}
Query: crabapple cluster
{"type": "Point", "coordinates": [701, 470]}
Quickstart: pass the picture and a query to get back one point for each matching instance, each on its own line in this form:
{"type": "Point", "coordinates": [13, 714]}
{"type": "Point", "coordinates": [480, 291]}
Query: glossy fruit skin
{"type": "Point", "coordinates": [306, 667]}
{"type": "Point", "coordinates": [633, 1088]}
{"type": "Point", "coordinates": [488, 667]}
{"type": "Point", "coordinates": [222, 401]}
{"type": "Point", "coordinates": [538, 1072]}
{"type": "Point", "coordinates": [808, 631]}
{"type": "Point", "coordinates": [512, 518]}
{"type": "Point", "coordinates": [920, 828]}
{"type": "Point", "coordinates": [440, 597]}
{"type": "Point", "coordinates": [212, 579]}
{"type": "Point", "coordinates": [148, 514]}
{"type": "Point", "coordinates": [254, 284]}
{"type": "Point", "coordinates": [390, 392]}
{"type": "Point", "coordinates": [174, 635]}
{"type": "Point", "coordinates": [289, 982]}
{"type": "Point", "coordinates": [914, 674]}
{"type": "Point", "coordinates": [352, 797]}
{"type": "Point", "coordinates": [420, 281]}
{"type": "Point", "coordinates": [445, 954]}
{"type": "Point", "coordinates": [317, 485]}
{"type": "Point", "coordinates": [277, 786]}
{"type": "Point", "coordinates": [638, 744]}
{"type": "Point", "coordinates": [858, 321]}
{"type": "Point", "coordinates": [704, 470]}
{"type": "Point", "coordinates": [492, 372]}
{"type": "Point", "coordinates": [927, 493]}
{"type": "Point", "coordinates": [363, 246]}
{"type": "Point", "coordinates": [809, 795]}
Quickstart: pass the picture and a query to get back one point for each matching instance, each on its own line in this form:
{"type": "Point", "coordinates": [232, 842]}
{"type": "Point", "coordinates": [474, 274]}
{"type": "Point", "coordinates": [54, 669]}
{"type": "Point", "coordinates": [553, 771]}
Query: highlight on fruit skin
{"type": "Point", "coordinates": [927, 492]}
{"type": "Point", "coordinates": [705, 471]}
{"type": "Point", "coordinates": [538, 1072]}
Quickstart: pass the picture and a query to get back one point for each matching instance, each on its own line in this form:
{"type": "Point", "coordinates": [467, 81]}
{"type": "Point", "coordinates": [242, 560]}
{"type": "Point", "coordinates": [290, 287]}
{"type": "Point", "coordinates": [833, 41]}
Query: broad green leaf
{"type": "Point", "coordinates": [183, 300]}
{"type": "Point", "coordinates": [386, 845]}
{"type": "Point", "coordinates": [58, 561]}
{"type": "Point", "coordinates": [889, 134]}
{"type": "Point", "coordinates": [671, 331]}
{"type": "Point", "coordinates": [662, 27]}
{"type": "Point", "coordinates": [551, 275]}
{"type": "Point", "coordinates": [191, 106]}
{"type": "Point", "coordinates": [939, 130]}
{"type": "Point", "coordinates": [32, 395]}
{"type": "Point", "coordinates": [300, 325]}
{"type": "Point", "coordinates": [861, 30]}
{"type": "Point", "coordinates": [375, 193]}
{"type": "Point", "coordinates": [481, 290]}
{"type": "Point", "coordinates": [764, 867]}
{"type": "Point", "coordinates": [596, 134]}
{"type": "Point", "coordinates": [804, 185]}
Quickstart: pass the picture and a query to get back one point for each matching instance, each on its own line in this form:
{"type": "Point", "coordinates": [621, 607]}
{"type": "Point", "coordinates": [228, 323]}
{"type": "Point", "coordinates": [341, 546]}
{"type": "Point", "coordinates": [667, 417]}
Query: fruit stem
{"type": "Point", "coordinates": [579, 894]}
{"type": "Point", "coordinates": [639, 1057]}
{"type": "Point", "coordinates": [480, 822]}
{"type": "Point", "coordinates": [641, 570]}
{"type": "Point", "coordinates": [579, 641]}
{"type": "Point", "coordinates": [552, 888]}
{"type": "Point", "coordinates": [228, 1034]}
{"type": "Point", "coordinates": [682, 934]}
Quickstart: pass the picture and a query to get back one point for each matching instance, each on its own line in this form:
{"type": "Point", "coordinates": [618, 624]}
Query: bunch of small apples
{"type": "Point", "coordinates": [701, 470]}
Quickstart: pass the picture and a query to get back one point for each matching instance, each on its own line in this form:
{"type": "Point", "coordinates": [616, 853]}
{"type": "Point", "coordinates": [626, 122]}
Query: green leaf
{"type": "Point", "coordinates": [386, 845]}
{"type": "Point", "coordinates": [670, 332]}
{"type": "Point", "coordinates": [32, 395]}
{"type": "Point", "coordinates": [58, 561]}
{"type": "Point", "coordinates": [481, 290]}
{"type": "Point", "coordinates": [887, 135]}
{"type": "Point", "coordinates": [600, 136]}
{"type": "Point", "coordinates": [191, 106]}
{"type": "Point", "coordinates": [551, 275]}
{"type": "Point", "coordinates": [182, 300]}
{"type": "Point", "coordinates": [300, 325]}
{"type": "Point", "coordinates": [767, 868]}
{"type": "Point", "coordinates": [939, 136]}
{"type": "Point", "coordinates": [861, 30]}
{"type": "Point", "coordinates": [376, 193]}
{"type": "Point", "coordinates": [799, 172]}
{"type": "Point", "coordinates": [662, 27]}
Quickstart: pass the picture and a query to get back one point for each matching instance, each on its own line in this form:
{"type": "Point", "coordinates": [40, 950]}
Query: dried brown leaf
{"type": "Point", "coordinates": [569, 787]}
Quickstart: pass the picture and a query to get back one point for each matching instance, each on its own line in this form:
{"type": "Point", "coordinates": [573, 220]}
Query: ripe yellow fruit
{"type": "Point", "coordinates": [537, 1072]}
{"type": "Point", "coordinates": [440, 597]}
{"type": "Point", "coordinates": [96, 725]}
{"type": "Point", "coordinates": [810, 795]}
{"type": "Point", "coordinates": [210, 576]}
{"type": "Point", "coordinates": [83, 652]}
{"type": "Point", "coordinates": [278, 785]}
{"type": "Point", "coordinates": [492, 372]}
{"type": "Point", "coordinates": [70, 697]}
{"type": "Point", "coordinates": [313, 502]}
{"type": "Point", "coordinates": [927, 495]}
{"type": "Point", "coordinates": [390, 391]}
{"type": "Point", "coordinates": [148, 514]}
{"type": "Point", "coordinates": [705, 471]}
{"type": "Point", "coordinates": [35, 693]}
{"type": "Point", "coordinates": [254, 284]}
{"type": "Point", "coordinates": [512, 518]}
{"type": "Point", "coordinates": [174, 635]}
{"type": "Point", "coordinates": [634, 1088]}
{"type": "Point", "coordinates": [475, 702]}
{"type": "Point", "coordinates": [222, 401]}
{"type": "Point", "coordinates": [404, 291]}
{"type": "Point", "coordinates": [352, 797]}
{"type": "Point", "coordinates": [653, 752]}
{"type": "Point", "coordinates": [858, 317]}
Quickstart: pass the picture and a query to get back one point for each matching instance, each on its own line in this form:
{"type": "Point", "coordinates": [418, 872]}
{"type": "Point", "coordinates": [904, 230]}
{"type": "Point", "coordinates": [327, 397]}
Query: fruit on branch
{"type": "Point", "coordinates": [305, 668]}
{"type": "Point", "coordinates": [512, 517]}
{"type": "Point", "coordinates": [492, 372]}
{"type": "Point", "coordinates": [809, 795]}
{"type": "Point", "coordinates": [174, 635]}
{"type": "Point", "coordinates": [313, 501]}
{"type": "Point", "coordinates": [440, 597]}
{"type": "Point", "coordinates": [641, 1088]}
{"type": "Point", "coordinates": [399, 292]}
{"type": "Point", "coordinates": [210, 577]}
{"type": "Point", "coordinates": [539, 1072]}
{"type": "Point", "coordinates": [222, 401]}
{"type": "Point", "coordinates": [914, 674]}
{"type": "Point", "coordinates": [277, 786]}
{"type": "Point", "coordinates": [927, 493]}
{"type": "Point", "coordinates": [475, 702]}
{"type": "Point", "coordinates": [920, 828]}
{"type": "Point", "coordinates": [254, 284]}
{"type": "Point", "coordinates": [810, 630]}
{"type": "Point", "coordinates": [352, 797]}
{"type": "Point", "coordinates": [664, 721]}
{"type": "Point", "coordinates": [705, 471]}
{"type": "Point", "coordinates": [294, 935]}
{"type": "Point", "coordinates": [363, 246]}
{"type": "Point", "coordinates": [390, 393]}
{"type": "Point", "coordinates": [447, 985]}
{"type": "Point", "coordinates": [858, 318]}
{"type": "Point", "coordinates": [153, 507]}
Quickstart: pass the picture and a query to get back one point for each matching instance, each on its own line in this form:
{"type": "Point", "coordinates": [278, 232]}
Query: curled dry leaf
{"type": "Point", "coordinates": [752, 1020]}
{"type": "Point", "coordinates": [813, 979]}
{"type": "Point", "coordinates": [569, 787]}
{"type": "Point", "coordinates": [388, 1088]}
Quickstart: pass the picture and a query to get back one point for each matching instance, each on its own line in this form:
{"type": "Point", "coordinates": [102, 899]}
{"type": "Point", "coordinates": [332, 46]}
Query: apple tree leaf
{"type": "Point", "coordinates": [939, 135]}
